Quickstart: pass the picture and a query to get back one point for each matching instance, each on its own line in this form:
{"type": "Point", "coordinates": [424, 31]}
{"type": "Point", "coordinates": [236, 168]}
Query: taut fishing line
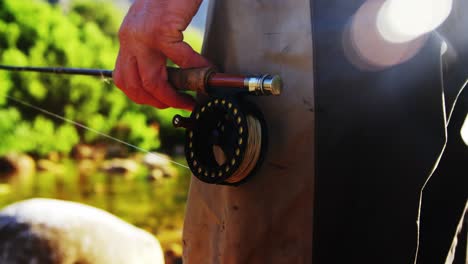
{"type": "Point", "coordinates": [436, 163]}
{"type": "Point", "coordinates": [42, 110]}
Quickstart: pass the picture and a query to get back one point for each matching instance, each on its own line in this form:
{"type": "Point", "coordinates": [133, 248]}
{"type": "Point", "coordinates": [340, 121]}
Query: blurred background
{"type": "Point", "coordinates": [43, 156]}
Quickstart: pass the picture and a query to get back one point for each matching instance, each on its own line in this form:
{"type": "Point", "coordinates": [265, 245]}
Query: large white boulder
{"type": "Point", "coordinates": [54, 231]}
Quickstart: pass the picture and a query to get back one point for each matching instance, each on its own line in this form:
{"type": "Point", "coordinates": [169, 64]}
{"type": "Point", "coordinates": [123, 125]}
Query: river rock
{"type": "Point", "coordinates": [120, 166]}
{"type": "Point", "coordinates": [16, 165]}
{"type": "Point", "coordinates": [60, 232]}
{"type": "Point", "coordinates": [50, 166]}
{"type": "Point", "coordinates": [86, 151]}
{"type": "Point", "coordinates": [159, 165]}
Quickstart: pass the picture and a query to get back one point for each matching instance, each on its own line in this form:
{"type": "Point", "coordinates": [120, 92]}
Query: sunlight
{"type": "Point", "coordinates": [464, 131]}
{"type": "Point", "coordinates": [404, 20]}
{"type": "Point", "coordinates": [367, 49]}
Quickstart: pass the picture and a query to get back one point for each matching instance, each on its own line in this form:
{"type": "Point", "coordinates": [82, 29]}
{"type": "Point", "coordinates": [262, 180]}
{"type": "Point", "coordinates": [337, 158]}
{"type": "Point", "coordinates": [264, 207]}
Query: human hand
{"type": "Point", "coordinates": [150, 33]}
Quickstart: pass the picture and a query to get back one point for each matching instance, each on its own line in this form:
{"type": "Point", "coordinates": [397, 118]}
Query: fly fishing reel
{"type": "Point", "coordinates": [226, 137]}
{"type": "Point", "coordinates": [225, 141]}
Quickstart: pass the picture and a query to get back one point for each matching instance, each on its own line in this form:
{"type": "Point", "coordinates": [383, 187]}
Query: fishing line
{"type": "Point", "coordinates": [227, 121]}
{"type": "Point", "coordinates": [93, 130]}
{"type": "Point", "coordinates": [252, 151]}
{"type": "Point", "coordinates": [436, 164]}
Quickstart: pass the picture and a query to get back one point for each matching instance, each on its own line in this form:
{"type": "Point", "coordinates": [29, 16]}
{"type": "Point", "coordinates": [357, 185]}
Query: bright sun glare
{"type": "Point", "coordinates": [464, 130]}
{"type": "Point", "coordinates": [404, 20]}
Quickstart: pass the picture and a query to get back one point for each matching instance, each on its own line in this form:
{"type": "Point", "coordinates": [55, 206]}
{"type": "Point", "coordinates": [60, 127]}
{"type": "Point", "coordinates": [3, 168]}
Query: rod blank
{"type": "Point", "coordinates": [60, 70]}
{"type": "Point", "coordinates": [195, 79]}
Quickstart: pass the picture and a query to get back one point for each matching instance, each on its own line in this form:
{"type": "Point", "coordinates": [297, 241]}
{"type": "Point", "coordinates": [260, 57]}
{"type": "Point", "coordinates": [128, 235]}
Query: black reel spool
{"type": "Point", "coordinates": [225, 140]}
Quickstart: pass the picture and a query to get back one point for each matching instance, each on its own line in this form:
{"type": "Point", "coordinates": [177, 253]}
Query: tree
{"type": "Point", "coordinates": [35, 33]}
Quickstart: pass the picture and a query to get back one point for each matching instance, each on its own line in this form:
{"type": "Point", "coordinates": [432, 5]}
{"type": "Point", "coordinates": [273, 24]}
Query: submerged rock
{"type": "Point", "coordinates": [91, 152]}
{"type": "Point", "coordinates": [60, 232]}
{"type": "Point", "coordinates": [50, 166]}
{"type": "Point", "coordinates": [16, 165]}
{"type": "Point", "coordinates": [160, 166]}
{"type": "Point", "coordinates": [120, 166]}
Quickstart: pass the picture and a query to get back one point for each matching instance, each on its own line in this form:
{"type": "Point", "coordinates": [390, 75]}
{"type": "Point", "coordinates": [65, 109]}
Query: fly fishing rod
{"type": "Point", "coordinates": [226, 137]}
{"type": "Point", "coordinates": [204, 80]}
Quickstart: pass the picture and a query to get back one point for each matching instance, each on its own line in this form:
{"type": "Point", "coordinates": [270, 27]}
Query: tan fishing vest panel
{"type": "Point", "coordinates": [269, 218]}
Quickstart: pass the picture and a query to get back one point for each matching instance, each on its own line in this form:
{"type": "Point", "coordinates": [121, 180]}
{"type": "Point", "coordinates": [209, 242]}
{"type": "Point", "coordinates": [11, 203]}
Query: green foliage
{"type": "Point", "coordinates": [36, 33]}
{"type": "Point", "coordinates": [100, 12]}
{"type": "Point", "coordinates": [194, 38]}
{"type": "Point", "coordinates": [23, 136]}
{"type": "Point", "coordinates": [137, 121]}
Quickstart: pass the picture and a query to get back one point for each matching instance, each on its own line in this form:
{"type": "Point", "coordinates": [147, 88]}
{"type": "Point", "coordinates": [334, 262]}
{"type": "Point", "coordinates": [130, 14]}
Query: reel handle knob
{"type": "Point", "coordinates": [179, 121]}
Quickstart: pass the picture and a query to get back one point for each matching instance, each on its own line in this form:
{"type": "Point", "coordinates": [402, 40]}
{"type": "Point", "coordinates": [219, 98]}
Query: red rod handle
{"type": "Point", "coordinates": [226, 80]}
{"type": "Point", "coordinates": [203, 79]}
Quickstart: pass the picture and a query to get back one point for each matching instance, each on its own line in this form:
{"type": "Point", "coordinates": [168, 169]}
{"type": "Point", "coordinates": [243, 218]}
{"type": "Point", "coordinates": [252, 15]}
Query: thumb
{"type": "Point", "coordinates": [183, 55]}
{"type": "Point", "coordinates": [152, 69]}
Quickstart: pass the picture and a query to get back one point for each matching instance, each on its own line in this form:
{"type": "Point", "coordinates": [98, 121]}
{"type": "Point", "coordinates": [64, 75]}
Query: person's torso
{"type": "Point", "coordinates": [269, 218]}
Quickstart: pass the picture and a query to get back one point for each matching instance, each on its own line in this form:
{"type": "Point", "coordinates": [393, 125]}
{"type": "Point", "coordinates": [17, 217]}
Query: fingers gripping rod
{"type": "Point", "coordinates": [202, 80]}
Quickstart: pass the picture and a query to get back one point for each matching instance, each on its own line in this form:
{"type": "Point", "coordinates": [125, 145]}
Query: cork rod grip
{"type": "Point", "coordinates": [194, 79]}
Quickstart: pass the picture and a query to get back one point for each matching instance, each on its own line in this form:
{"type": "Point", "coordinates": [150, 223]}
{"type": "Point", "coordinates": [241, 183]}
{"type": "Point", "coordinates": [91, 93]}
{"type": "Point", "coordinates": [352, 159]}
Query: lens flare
{"type": "Point", "coordinates": [405, 20]}
{"type": "Point", "coordinates": [365, 47]}
{"type": "Point", "coordinates": [385, 33]}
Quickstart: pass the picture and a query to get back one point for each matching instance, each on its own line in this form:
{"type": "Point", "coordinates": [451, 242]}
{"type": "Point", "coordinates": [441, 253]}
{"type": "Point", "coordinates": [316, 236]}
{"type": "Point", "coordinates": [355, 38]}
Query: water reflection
{"type": "Point", "coordinates": [154, 204]}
